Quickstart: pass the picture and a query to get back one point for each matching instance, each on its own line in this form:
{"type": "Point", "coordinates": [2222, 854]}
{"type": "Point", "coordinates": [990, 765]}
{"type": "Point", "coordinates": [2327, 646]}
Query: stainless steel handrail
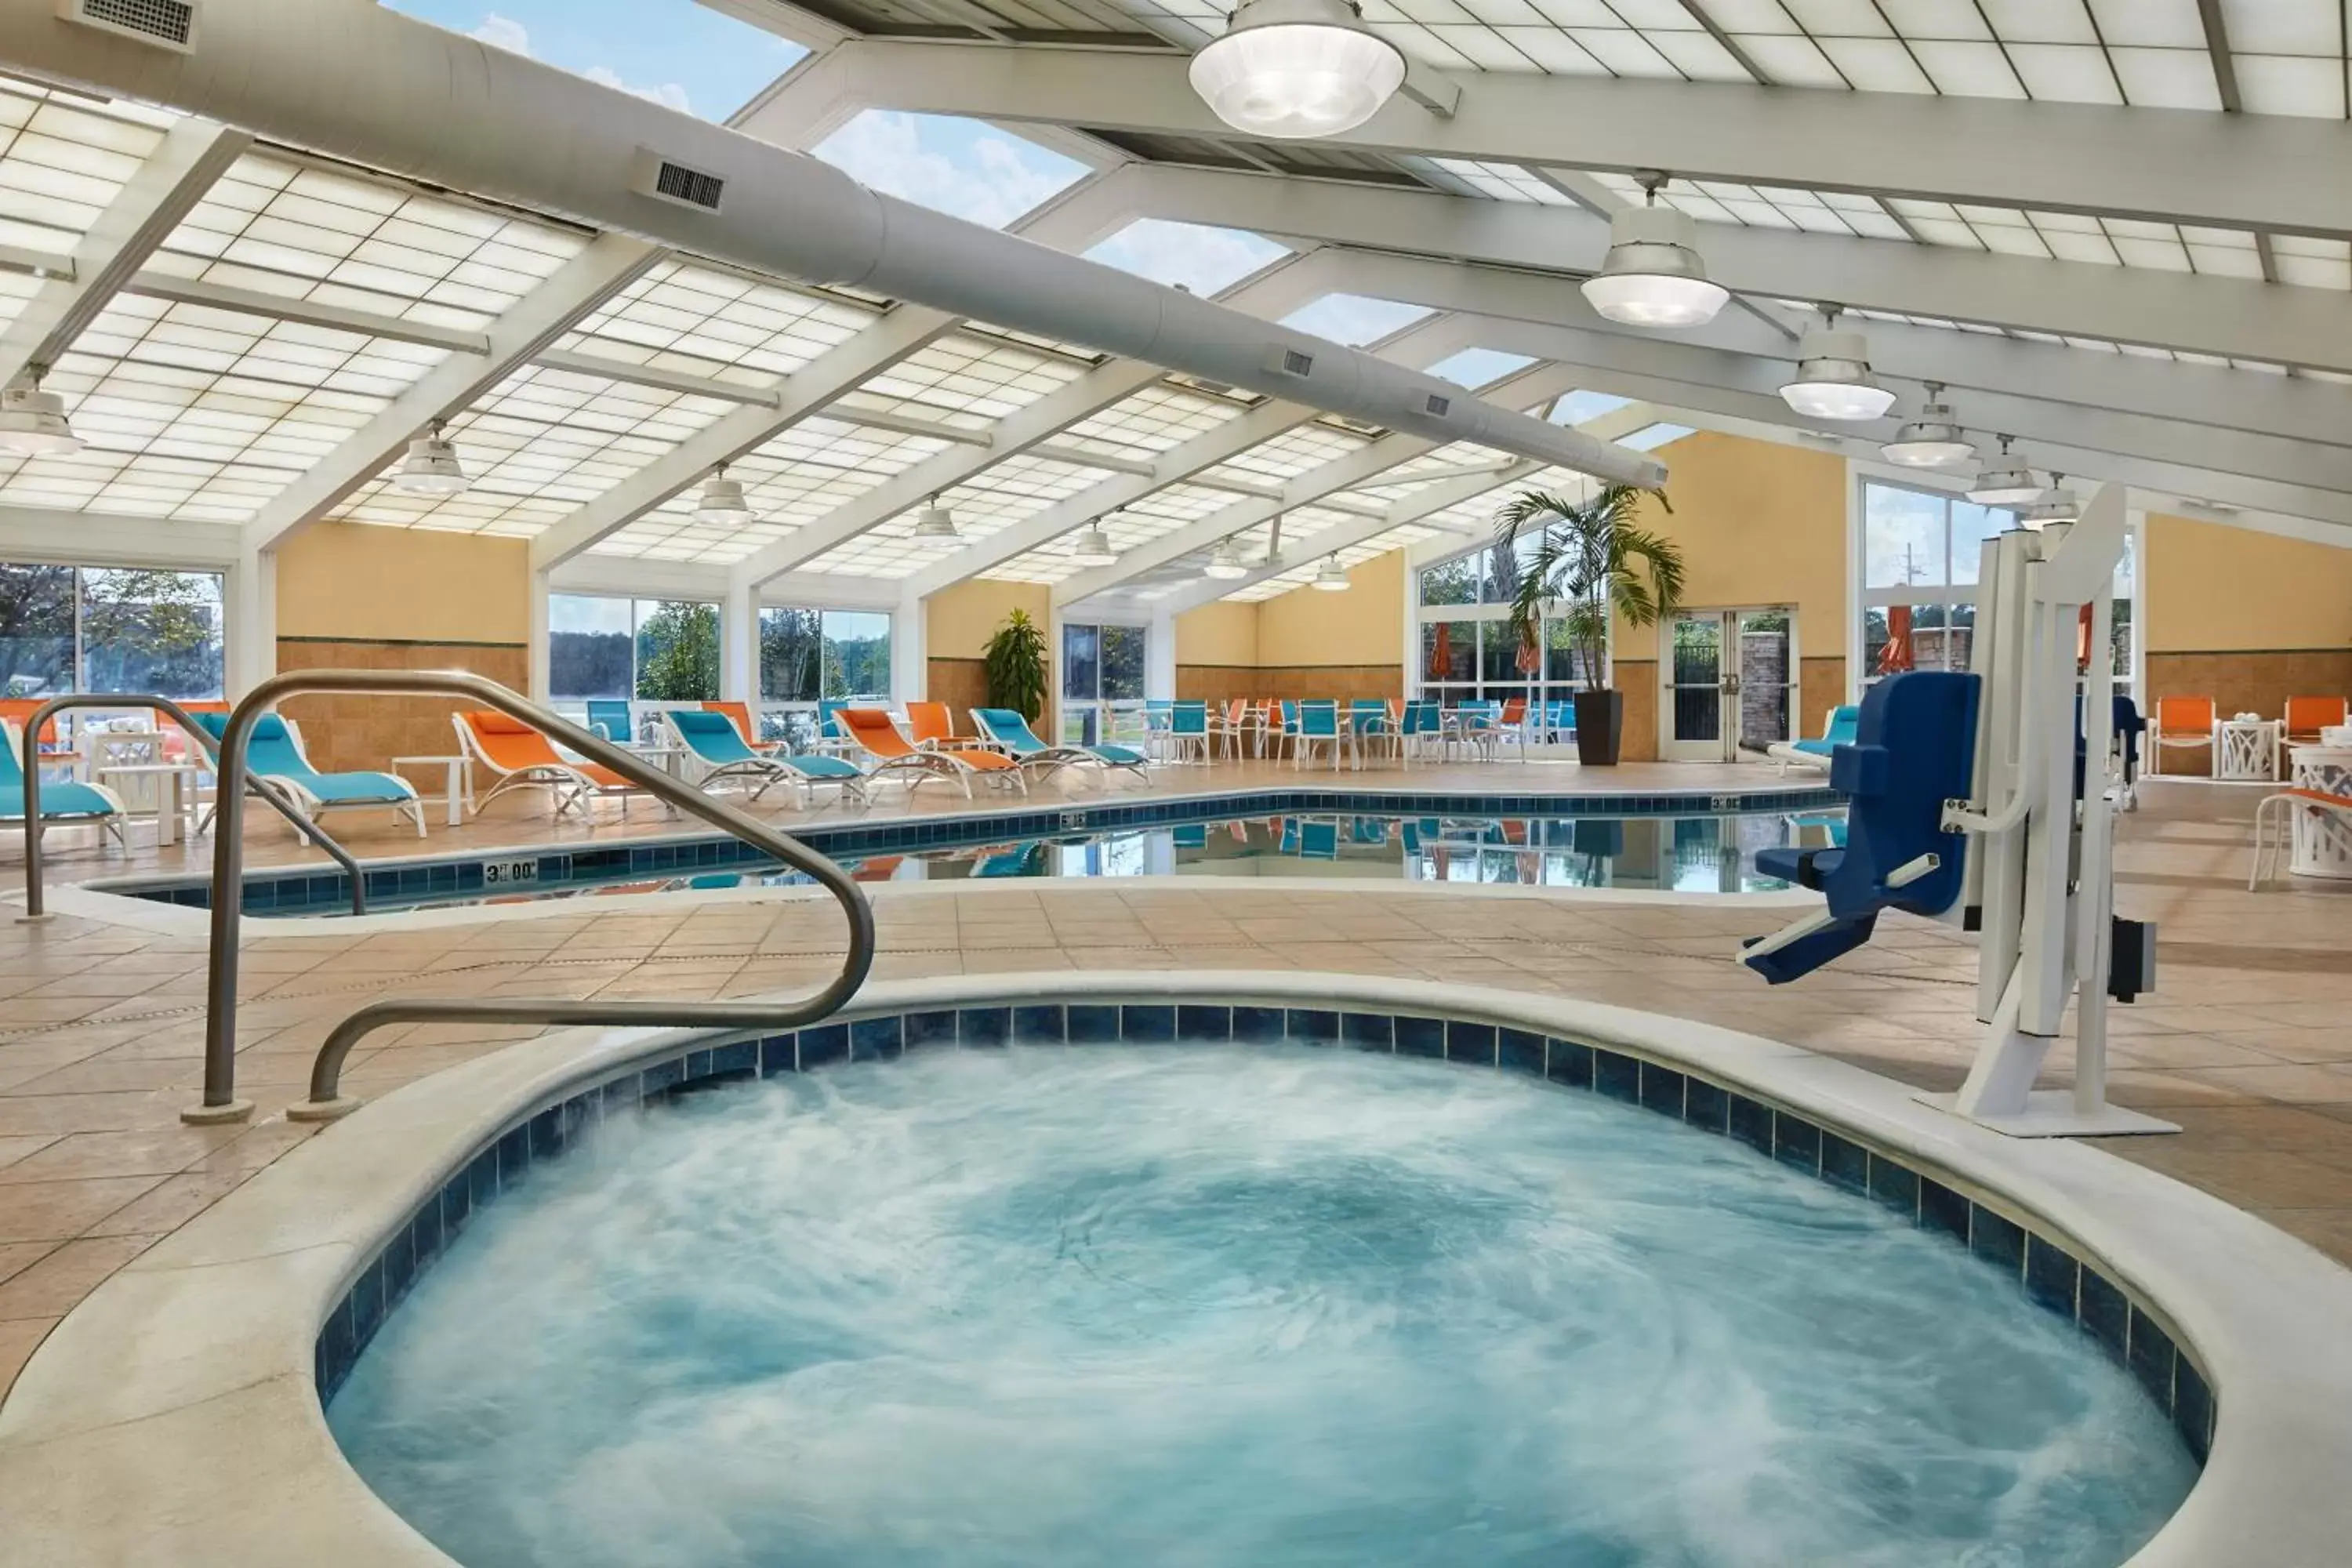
{"type": "Point", "coordinates": [205, 742]}
{"type": "Point", "coordinates": [327, 1101]}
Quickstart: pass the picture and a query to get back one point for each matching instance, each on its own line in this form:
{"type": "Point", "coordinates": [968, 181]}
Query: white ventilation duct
{"type": "Point", "coordinates": [356, 81]}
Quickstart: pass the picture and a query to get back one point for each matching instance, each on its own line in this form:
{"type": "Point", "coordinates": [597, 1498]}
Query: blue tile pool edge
{"type": "Point", "coordinates": [323, 889]}
{"type": "Point", "coordinates": [2055, 1273]}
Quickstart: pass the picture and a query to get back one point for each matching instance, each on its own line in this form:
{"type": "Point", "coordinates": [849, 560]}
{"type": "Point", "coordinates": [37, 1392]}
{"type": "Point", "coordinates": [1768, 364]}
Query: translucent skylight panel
{"type": "Point", "coordinates": [1447, 462]}
{"type": "Point", "coordinates": [1147, 423]}
{"type": "Point", "coordinates": [1479, 367]}
{"type": "Point", "coordinates": [1503, 182]}
{"type": "Point", "coordinates": [697, 320]}
{"type": "Point", "coordinates": [1579, 407]}
{"type": "Point", "coordinates": [15, 289]}
{"type": "Point", "coordinates": [968, 380]}
{"type": "Point", "coordinates": [1355, 319]}
{"type": "Point", "coordinates": [1293, 452]}
{"type": "Point", "coordinates": [1651, 437]}
{"type": "Point", "coordinates": [62, 160]}
{"type": "Point", "coordinates": [2313, 263]}
{"type": "Point", "coordinates": [189, 411]}
{"type": "Point", "coordinates": [963, 167]}
{"type": "Point", "coordinates": [541, 444]}
{"type": "Point", "coordinates": [281, 227]}
{"type": "Point", "coordinates": [1202, 258]}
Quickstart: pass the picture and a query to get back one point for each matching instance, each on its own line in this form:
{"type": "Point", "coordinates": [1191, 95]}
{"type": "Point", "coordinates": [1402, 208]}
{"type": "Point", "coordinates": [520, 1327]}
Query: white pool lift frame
{"type": "Point", "coordinates": [2040, 887]}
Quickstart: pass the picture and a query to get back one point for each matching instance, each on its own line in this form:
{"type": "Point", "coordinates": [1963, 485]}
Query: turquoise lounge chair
{"type": "Point", "coordinates": [611, 720]}
{"type": "Point", "coordinates": [713, 740]}
{"type": "Point", "coordinates": [1813, 752]}
{"type": "Point", "coordinates": [274, 752]}
{"type": "Point", "coordinates": [1004, 727]}
{"type": "Point", "coordinates": [63, 801]}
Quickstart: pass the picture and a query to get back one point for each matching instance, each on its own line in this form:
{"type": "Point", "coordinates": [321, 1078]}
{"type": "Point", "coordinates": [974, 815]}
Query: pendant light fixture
{"type": "Point", "coordinates": [1934, 440]}
{"type": "Point", "coordinates": [1224, 563]}
{"type": "Point", "coordinates": [936, 521]}
{"type": "Point", "coordinates": [2005, 481]}
{"type": "Point", "coordinates": [1293, 68]}
{"type": "Point", "coordinates": [1652, 275]}
{"type": "Point", "coordinates": [1833, 379]}
{"type": "Point", "coordinates": [431, 467]}
{"type": "Point", "coordinates": [33, 422]}
{"type": "Point", "coordinates": [2056, 504]}
{"type": "Point", "coordinates": [1331, 577]}
{"type": "Point", "coordinates": [1093, 547]}
{"type": "Point", "coordinates": [722, 500]}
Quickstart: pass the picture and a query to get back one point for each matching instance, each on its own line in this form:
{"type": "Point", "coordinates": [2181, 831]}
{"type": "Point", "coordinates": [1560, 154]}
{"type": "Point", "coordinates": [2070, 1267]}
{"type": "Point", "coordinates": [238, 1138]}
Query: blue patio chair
{"type": "Point", "coordinates": [1008, 731]}
{"type": "Point", "coordinates": [274, 750]}
{"type": "Point", "coordinates": [712, 740]}
{"type": "Point", "coordinates": [1188, 730]}
{"type": "Point", "coordinates": [64, 801]}
{"type": "Point", "coordinates": [611, 720]}
{"type": "Point", "coordinates": [1318, 725]}
{"type": "Point", "coordinates": [1368, 717]}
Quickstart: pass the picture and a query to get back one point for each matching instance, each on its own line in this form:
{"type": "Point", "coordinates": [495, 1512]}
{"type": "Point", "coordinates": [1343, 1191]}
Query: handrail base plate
{"type": "Point", "coordinates": [322, 1110]}
{"type": "Point", "coordinates": [216, 1115]}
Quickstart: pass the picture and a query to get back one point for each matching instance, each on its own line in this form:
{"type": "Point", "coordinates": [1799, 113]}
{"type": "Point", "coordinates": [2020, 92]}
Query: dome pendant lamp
{"type": "Point", "coordinates": [1093, 547]}
{"type": "Point", "coordinates": [1652, 275]}
{"type": "Point", "coordinates": [1833, 379]}
{"type": "Point", "coordinates": [2056, 504]}
{"type": "Point", "coordinates": [935, 521]}
{"type": "Point", "coordinates": [1934, 440]}
{"type": "Point", "coordinates": [1224, 563]}
{"type": "Point", "coordinates": [1295, 69]}
{"type": "Point", "coordinates": [33, 422]}
{"type": "Point", "coordinates": [2004, 482]}
{"type": "Point", "coordinates": [431, 467]}
{"type": "Point", "coordinates": [1331, 577]}
{"type": "Point", "coordinates": [722, 503]}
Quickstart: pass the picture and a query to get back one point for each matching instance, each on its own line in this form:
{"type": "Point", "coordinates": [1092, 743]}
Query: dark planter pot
{"type": "Point", "coordinates": [1600, 727]}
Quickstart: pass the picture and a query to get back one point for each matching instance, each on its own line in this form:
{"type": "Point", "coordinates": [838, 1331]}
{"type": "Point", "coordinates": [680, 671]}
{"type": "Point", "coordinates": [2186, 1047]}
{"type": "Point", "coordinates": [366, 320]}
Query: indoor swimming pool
{"type": "Point", "coordinates": [1195, 1287]}
{"type": "Point", "coordinates": [1714, 852]}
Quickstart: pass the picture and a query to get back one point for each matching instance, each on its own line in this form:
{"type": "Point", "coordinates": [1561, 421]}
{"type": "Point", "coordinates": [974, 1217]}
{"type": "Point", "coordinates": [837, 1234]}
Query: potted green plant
{"type": "Point", "coordinates": [1017, 667]}
{"type": "Point", "coordinates": [1591, 560]}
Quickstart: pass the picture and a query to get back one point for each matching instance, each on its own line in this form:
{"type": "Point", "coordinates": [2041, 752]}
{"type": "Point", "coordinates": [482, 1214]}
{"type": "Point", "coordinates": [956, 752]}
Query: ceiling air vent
{"type": "Point", "coordinates": [660, 178]}
{"type": "Point", "coordinates": [1297, 363]}
{"type": "Point", "coordinates": [1437, 404]}
{"type": "Point", "coordinates": [168, 23]}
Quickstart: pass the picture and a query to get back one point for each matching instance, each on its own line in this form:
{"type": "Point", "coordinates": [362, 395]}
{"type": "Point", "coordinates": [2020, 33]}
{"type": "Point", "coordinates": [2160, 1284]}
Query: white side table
{"type": "Point", "coordinates": [169, 789]}
{"type": "Point", "coordinates": [458, 782]}
{"type": "Point", "coordinates": [2246, 749]}
{"type": "Point", "coordinates": [2323, 840]}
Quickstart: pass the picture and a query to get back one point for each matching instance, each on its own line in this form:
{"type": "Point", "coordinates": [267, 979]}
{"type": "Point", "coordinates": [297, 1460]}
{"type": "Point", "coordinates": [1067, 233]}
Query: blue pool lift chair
{"type": "Point", "coordinates": [712, 740]}
{"type": "Point", "coordinates": [1814, 751]}
{"type": "Point", "coordinates": [1007, 731]}
{"type": "Point", "coordinates": [63, 801]}
{"type": "Point", "coordinates": [274, 752]}
{"type": "Point", "coordinates": [1914, 748]}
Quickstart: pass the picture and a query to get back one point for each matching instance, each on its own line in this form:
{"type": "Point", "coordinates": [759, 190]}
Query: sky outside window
{"type": "Point", "coordinates": [676, 53]}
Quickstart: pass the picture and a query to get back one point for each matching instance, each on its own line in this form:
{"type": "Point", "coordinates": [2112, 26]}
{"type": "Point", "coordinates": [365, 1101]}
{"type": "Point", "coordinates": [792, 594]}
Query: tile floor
{"type": "Point", "coordinates": [2247, 1042]}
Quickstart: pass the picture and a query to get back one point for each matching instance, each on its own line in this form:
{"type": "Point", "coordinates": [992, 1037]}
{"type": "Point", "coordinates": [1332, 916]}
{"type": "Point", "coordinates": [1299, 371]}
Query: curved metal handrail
{"type": "Point", "coordinates": [327, 1101]}
{"type": "Point", "coordinates": [205, 742]}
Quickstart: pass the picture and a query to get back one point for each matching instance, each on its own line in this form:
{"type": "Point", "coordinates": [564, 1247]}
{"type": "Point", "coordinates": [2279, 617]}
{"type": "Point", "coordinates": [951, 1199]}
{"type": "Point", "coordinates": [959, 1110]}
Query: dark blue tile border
{"type": "Point", "coordinates": [2046, 1273]}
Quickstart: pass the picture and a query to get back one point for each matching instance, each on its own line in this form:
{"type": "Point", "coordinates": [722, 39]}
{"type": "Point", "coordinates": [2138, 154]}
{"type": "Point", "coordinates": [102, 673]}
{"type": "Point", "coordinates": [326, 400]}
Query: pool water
{"type": "Point", "coordinates": [1233, 1306]}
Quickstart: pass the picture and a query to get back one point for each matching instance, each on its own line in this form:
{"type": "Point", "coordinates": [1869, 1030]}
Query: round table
{"type": "Point", "coordinates": [2323, 840]}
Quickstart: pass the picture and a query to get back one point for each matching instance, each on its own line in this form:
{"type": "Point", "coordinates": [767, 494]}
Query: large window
{"type": "Point", "coordinates": [90, 628]}
{"type": "Point", "coordinates": [1468, 651]}
{"type": "Point", "coordinates": [1102, 679]}
{"type": "Point", "coordinates": [808, 655]}
{"type": "Point", "coordinates": [652, 650]}
{"type": "Point", "coordinates": [1922, 555]}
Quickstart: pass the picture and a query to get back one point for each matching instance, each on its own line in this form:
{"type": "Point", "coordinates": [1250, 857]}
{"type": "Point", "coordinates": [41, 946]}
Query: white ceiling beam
{"type": "Point", "coordinates": [2257, 400]}
{"type": "Point", "coordinates": [755, 397]}
{"type": "Point", "coordinates": [603, 268]}
{"type": "Point", "coordinates": [2180, 165]}
{"type": "Point", "coordinates": [1531, 388]}
{"type": "Point", "coordinates": [192, 155]}
{"type": "Point", "coordinates": [1273, 293]}
{"type": "Point", "coordinates": [39, 263]}
{"type": "Point", "coordinates": [155, 285]}
{"type": "Point", "coordinates": [48, 534]}
{"type": "Point", "coordinates": [1074, 221]}
{"type": "Point", "coordinates": [1419, 346]}
{"type": "Point", "coordinates": [2231, 317]}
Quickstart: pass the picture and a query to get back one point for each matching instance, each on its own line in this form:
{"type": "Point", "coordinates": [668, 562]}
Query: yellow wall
{"type": "Point", "coordinates": [2211, 587]}
{"type": "Point", "coordinates": [1363, 625]}
{"type": "Point", "coordinates": [355, 581]}
{"type": "Point", "coordinates": [1224, 633]}
{"type": "Point", "coordinates": [958, 621]}
{"type": "Point", "coordinates": [1758, 523]}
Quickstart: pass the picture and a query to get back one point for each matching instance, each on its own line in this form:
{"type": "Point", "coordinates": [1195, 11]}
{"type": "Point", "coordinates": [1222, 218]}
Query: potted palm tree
{"type": "Point", "coordinates": [1015, 666]}
{"type": "Point", "coordinates": [1591, 559]}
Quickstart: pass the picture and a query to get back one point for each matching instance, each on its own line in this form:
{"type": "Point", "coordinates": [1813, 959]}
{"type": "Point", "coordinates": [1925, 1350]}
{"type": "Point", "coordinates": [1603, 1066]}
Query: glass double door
{"type": "Point", "coordinates": [1730, 683]}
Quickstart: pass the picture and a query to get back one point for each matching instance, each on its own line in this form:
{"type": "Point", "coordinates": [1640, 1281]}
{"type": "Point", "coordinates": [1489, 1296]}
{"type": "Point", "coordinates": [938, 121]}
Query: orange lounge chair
{"type": "Point", "coordinates": [740, 715]}
{"type": "Point", "coordinates": [871, 729]}
{"type": "Point", "coordinates": [522, 757]}
{"type": "Point", "coordinates": [933, 725]}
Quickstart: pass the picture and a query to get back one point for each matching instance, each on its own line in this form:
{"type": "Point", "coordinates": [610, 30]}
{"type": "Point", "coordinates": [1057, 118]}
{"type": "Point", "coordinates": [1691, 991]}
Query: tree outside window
{"type": "Point", "coordinates": [653, 650]}
{"type": "Point", "coordinates": [66, 628]}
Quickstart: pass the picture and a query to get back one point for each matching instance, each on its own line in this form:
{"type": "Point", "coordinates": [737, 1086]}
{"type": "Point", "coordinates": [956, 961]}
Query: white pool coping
{"type": "Point", "coordinates": [172, 1420]}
